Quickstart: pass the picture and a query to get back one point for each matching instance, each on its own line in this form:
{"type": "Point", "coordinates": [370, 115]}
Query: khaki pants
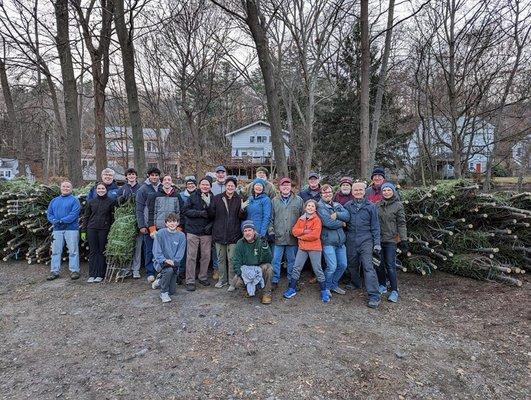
{"type": "Point", "coordinates": [267, 274]}
{"type": "Point", "coordinates": [225, 252]}
{"type": "Point", "coordinates": [195, 243]}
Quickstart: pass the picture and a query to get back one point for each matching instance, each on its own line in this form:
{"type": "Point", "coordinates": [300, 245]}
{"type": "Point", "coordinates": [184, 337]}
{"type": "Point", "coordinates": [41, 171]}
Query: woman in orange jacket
{"type": "Point", "coordinates": [307, 230]}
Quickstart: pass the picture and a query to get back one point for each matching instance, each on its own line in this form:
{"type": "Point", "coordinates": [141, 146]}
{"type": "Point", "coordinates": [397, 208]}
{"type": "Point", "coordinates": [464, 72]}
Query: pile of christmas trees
{"type": "Point", "coordinates": [456, 228]}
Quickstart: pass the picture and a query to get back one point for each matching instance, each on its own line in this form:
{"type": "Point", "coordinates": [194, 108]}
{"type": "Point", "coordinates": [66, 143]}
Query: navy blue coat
{"type": "Point", "coordinates": [363, 225]}
{"type": "Point", "coordinates": [332, 233]}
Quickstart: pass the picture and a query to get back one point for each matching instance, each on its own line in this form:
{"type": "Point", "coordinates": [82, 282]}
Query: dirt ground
{"type": "Point", "coordinates": [447, 338]}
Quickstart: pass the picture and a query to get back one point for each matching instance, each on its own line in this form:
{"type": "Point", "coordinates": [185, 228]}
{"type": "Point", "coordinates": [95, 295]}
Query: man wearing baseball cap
{"type": "Point", "coordinates": [286, 208]}
{"type": "Point", "coordinates": [219, 186]}
{"type": "Point", "coordinates": [313, 191]}
{"type": "Point", "coordinates": [252, 262]}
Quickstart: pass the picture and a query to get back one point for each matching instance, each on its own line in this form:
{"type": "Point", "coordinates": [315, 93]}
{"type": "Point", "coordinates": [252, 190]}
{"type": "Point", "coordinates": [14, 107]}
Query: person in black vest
{"type": "Point", "coordinates": [96, 224]}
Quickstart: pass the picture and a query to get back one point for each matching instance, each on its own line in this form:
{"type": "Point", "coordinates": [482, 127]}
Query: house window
{"type": "Point", "coordinates": [471, 166]}
{"type": "Point", "coordinates": [251, 139]}
{"type": "Point", "coordinates": [244, 153]}
{"type": "Point", "coordinates": [269, 139]}
{"type": "Point", "coordinates": [261, 139]}
{"type": "Point", "coordinates": [518, 152]}
{"type": "Point", "coordinates": [5, 173]}
{"type": "Point", "coordinates": [151, 146]}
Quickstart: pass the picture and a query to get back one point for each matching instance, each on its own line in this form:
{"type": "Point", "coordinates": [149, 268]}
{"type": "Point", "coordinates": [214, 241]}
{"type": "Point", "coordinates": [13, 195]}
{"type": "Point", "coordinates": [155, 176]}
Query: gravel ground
{"type": "Point", "coordinates": [447, 338]}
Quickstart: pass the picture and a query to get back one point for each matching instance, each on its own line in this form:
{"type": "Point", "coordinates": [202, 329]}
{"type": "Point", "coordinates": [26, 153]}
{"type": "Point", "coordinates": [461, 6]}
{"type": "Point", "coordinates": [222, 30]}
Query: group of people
{"type": "Point", "coordinates": [243, 233]}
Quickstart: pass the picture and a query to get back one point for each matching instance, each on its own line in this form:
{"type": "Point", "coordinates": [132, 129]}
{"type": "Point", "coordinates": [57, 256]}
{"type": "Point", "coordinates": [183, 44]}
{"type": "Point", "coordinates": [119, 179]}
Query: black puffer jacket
{"type": "Point", "coordinates": [226, 229]}
{"type": "Point", "coordinates": [195, 212]}
{"type": "Point", "coordinates": [99, 213]}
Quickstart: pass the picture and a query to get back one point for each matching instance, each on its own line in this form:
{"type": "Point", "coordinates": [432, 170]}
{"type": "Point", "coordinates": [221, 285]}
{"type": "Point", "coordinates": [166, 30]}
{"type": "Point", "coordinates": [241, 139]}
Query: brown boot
{"type": "Point", "coordinates": [266, 299]}
{"type": "Point", "coordinates": [215, 275]}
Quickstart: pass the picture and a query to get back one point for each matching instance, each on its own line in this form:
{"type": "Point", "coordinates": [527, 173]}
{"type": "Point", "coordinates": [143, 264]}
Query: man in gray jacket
{"type": "Point", "coordinates": [151, 185]}
{"type": "Point", "coordinates": [287, 207]}
{"type": "Point", "coordinates": [333, 218]}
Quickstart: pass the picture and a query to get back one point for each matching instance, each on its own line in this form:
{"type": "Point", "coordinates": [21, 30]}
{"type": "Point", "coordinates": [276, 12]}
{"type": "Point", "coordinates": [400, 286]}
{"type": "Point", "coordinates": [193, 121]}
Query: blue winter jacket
{"type": "Point", "coordinates": [332, 233]}
{"type": "Point", "coordinates": [112, 191]}
{"type": "Point", "coordinates": [63, 213]}
{"type": "Point", "coordinates": [168, 246]}
{"type": "Point", "coordinates": [363, 225]}
{"type": "Point", "coordinates": [259, 210]}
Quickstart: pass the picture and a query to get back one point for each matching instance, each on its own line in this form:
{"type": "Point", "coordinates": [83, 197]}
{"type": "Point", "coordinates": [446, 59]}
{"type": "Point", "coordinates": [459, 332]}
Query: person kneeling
{"type": "Point", "coordinates": [252, 262]}
{"type": "Point", "coordinates": [168, 251]}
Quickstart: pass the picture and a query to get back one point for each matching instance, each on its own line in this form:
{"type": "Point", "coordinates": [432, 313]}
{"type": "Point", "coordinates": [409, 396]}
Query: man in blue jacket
{"type": "Point", "coordinates": [363, 238]}
{"type": "Point", "coordinates": [333, 218]}
{"type": "Point", "coordinates": [151, 185]}
{"type": "Point", "coordinates": [63, 214]}
{"type": "Point", "coordinates": [107, 177]}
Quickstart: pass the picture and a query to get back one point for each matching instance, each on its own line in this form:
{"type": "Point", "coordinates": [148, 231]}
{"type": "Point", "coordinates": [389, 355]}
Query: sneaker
{"type": "Point", "coordinates": [204, 283]}
{"type": "Point", "coordinates": [165, 297]}
{"type": "Point", "coordinates": [289, 293]}
{"type": "Point", "coordinates": [325, 295]}
{"type": "Point", "coordinates": [382, 289]}
{"type": "Point", "coordinates": [150, 278]}
{"type": "Point", "coordinates": [52, 276]}
{"type": "Point", "coordinates": [338, 290]}
{"type": "Point", "coordinates": [136, 275]}
{"type": "Point", "coordinates": [155, 284]}
{"type": "Point", "coordinates": [90, 280]}
{"type": "Point", "coordinates": [98, 279]}
{"type": "Point", "coordinates": [231, 288]}
{"type": "Point", "coordinates": [373, 303]}
{"type": "Point", "coordinates": [266, 299]}
{"type": "Point", "coordinates": [215, 275]}
{"type": "Point", "coordinates": [74, 275]}
{"type": "Point", "coordinates": [190, 287]}
{"type": "Point", "coordinates": [393, 297]}
{"type": "Point", "coordinates": [220, 284]}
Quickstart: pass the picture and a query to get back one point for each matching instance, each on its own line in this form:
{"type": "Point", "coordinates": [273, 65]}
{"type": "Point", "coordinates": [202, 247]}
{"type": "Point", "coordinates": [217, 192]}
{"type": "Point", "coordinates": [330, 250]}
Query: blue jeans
{"type": "Point", "coordinates": [214, 256]}
{"type": "Point", "coordinates": [72, 243]}
{"type": "Point", "coordinates": [278, 252]}
{"type": "Point", "coordinates": [362, 255]}
{"type": "Point", "coordinates": [388, 266]}
{"type": "Point", "coordinates": [148, 255]}
{"type": "Point", "coordinates": [336, 264]}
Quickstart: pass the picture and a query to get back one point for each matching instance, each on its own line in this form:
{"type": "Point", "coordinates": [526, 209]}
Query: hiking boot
{"type": "Point", "coordinates": [289, 293]}
{"type": "Point", "coordinates": [382, 289]}
{"type": "Point", "coordinates": [215, 275]}
{"type": "Point", "coordinates": [325, 296]}
{"type": "Point", "coordinates": [338, 290]}
{"type": "Point", "coordinates": [190, 287]}
{"type": "Point", "coordinates": [220, 284]}
{"type": "Point", "coordinates": [155, 284]}
{"type": "Point", "coordinates": [90, 280]}
{"type": "Point", "coordinates": [266, 299]}
{"type": "Point", "coordinates": [373, 303]}
{"type": "Point", "coordinates": [165, 297]}
{"type": "Point", "coordinates": [204, 283]}
{"type": "Point", "coordinates": [393, 297]}
{"type": "Point", "coordinates": [52, 276]}
{"type": "Point", "coordinates": [231, 288]}
{"type": "Point", "coordinates": [150, 278]}
{"type": "Point", "coordinates": [136, 275]}
{"type": "Point", "coordinates": [98, 279]}
{"type": "Point", "coordinates": [74, 275]}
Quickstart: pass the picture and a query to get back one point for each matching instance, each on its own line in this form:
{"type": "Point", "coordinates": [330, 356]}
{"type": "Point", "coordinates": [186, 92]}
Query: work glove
{"type": "Point", "coordinates": [83, 236]}
{"type": "Point", "coordinates": [377, 249]}
{"type": "Point", "coordinates": [403, 246]}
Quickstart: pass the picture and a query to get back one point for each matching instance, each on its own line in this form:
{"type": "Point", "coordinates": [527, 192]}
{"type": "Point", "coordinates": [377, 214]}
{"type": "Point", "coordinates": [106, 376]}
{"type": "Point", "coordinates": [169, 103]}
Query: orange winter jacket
{"type": "Point", "coordinates": [308, 231]}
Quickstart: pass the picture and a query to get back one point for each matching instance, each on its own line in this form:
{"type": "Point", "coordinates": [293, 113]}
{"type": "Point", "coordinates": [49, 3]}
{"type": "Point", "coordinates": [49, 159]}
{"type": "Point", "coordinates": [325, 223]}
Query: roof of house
{"type": "Point", "coordinates": [250, 126]}
{"type": "Point", "coordinates": [149, 133]}
{"type": "Point", "coordinates": [8, 163]}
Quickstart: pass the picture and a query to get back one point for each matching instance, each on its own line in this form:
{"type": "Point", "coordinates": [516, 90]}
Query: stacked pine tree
{"type": "Point", "coordinates": [25, 232]}
{"type": "Point", "coordinates": [456, 228]}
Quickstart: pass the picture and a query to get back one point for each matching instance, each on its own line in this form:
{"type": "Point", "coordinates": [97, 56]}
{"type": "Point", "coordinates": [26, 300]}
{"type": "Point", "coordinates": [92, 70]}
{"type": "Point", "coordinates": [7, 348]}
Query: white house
{"type": "Point", "coordinates": [8, 168]}
{"type": "Point", "coordinates": [478, 136]}
{"type": "Point", "coordinates": [253, 142]}
{"type": "Point", "coordinates": [521, 153]}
